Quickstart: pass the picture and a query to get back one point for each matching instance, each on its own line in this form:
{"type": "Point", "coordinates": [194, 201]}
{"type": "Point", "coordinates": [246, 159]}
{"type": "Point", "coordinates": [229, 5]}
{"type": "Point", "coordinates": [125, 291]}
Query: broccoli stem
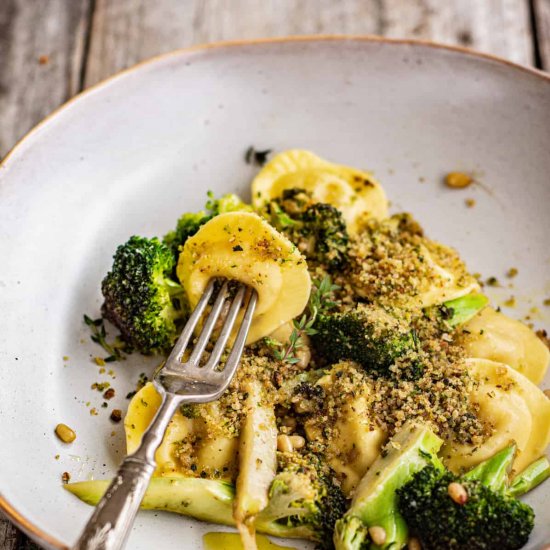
{"type": "Point", "coordinates": [204, 499]}
{"type": "Point", "coordinates": [257, 462]}
{"type": "Point", "coordinates": [352, 534]}
{"type": "Point", "coordinates": [375, 499]}
{"type": "Point", "coordinates": [532, 476]}
{"type": "Point", "coordinates": [173, 288]}
{"type": "Point", "coordinates": [494, 472]}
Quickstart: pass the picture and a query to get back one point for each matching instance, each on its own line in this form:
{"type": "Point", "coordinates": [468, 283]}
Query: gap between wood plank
{"type": "Point", "coordinates": [541, 18]}
{"type": "Point", "coordinates": [537, 59]}
{"type": "Point", "coordinates": [87, 42]}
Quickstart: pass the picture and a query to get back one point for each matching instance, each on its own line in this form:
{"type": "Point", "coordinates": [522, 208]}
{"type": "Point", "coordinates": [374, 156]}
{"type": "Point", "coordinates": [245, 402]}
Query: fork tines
{"type": "Point", "coordinates": [191, 367]}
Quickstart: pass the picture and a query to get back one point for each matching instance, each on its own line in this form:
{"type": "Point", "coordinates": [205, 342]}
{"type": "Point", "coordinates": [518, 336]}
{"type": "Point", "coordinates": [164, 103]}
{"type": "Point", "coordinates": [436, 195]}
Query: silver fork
{"type": "Point", "coordinates": [177, 382]}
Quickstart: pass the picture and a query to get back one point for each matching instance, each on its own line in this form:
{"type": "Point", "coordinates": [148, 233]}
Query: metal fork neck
{"type": "Point", "coordinates": [112, 520]}
{"type": "Point", "coordinates": [152, 437]}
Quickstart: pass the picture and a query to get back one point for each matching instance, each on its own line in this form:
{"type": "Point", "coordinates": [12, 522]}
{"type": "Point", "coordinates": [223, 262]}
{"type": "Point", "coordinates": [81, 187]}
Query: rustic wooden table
{"type": "Point", "coordinates": [53, 49]}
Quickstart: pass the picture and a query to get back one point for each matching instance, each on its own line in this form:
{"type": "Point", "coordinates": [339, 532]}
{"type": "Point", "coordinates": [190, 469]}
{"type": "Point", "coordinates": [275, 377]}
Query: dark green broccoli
{"type": "Point", "coordinates": [189, 223]}
{"type": "Point", "coordinates": [294, 201]}
{"type": "Point", "coordinates": [304, 500]}
{"type": "Point", "coordinates": [141, 298]}
{"type": "Point", "coordinates": [481, 515]}
{"type": "Point", "coordinates": [318, 229]}
{"type": "Point", "coordinates": [369, 336]}
{"type": "Point", "coordinates": [324, 227]}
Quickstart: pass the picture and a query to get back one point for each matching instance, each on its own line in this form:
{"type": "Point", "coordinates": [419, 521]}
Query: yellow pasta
{"type": "Point", "coordinates": [355, 441]}
{"type": "Point", "coordinates": [242, 246]}
{"type": "Point", "coordinates": [513, 407]}
{"type": "Point", "coordinates": [141, 411]}
{"type": "Point", "coordinates": [207, 453]}
{"type": "Point", "coordinates": [356, 445]}
{"type": "Point", "coordinates": [394, 264]}
{"type": "Point", "coordinates": [355, 193]}
{"type": "Point", "coordinates": [493, 335]}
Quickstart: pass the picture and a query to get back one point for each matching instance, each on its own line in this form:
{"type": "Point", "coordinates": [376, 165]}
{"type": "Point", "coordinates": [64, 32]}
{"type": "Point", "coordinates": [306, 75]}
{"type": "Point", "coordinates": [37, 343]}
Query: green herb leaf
{"type": "Point", "coordinates": [319, 302]}
{"type": "Point", "coordinates": [99, 336]}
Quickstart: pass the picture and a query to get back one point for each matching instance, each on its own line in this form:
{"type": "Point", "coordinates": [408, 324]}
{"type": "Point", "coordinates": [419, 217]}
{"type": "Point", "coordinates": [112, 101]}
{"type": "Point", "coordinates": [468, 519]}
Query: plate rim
{"type": "Point", "coordinates": [8, 510]}
{"type": "Point", "coordinates": [230, 44]}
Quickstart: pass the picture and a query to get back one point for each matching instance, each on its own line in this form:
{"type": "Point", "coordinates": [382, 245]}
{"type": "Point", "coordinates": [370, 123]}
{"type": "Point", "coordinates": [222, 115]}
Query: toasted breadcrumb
{"type": "Point", "coordinates": [390, 262]}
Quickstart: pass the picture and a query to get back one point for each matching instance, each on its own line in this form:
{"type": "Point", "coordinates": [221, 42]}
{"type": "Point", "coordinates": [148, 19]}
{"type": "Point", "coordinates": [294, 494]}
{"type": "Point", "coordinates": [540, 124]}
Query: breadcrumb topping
{"type": "Point", "coordinates": [390, 262]}
{"type": "Point", "coordinates": [390, 265]}
{"type": "Point", "coordinates": [439, 396]}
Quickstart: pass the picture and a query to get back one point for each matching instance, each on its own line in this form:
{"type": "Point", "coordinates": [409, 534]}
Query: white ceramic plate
{"type": "Point", "coordinates": [132, 154]}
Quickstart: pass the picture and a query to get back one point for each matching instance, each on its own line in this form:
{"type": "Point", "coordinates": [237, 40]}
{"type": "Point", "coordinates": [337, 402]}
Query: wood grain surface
{"type": "Point", "coordinates": [52, 49]}
{"type": "Point", "coordinates": [41, 58]}
{"type": "Point", "coordinates": [137, 29]}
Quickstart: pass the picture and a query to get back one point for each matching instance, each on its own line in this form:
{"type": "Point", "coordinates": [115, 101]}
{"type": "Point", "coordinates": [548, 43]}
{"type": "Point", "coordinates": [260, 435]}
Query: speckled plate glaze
{"type": "Point", "coordinates": [130, 155]}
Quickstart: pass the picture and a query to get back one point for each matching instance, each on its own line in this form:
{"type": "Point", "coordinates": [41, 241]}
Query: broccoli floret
{"type": "Point", "coordinates": [304, 500]}
{"type": "Point", "coordinates": [318, 229]}
{"type": "Point", "coordinates": [489, 518]}
{"type": "Point", "coordinates": [190, 223]}
{"type": "Point", "coordinates": [324, 226]}
{"type": "Point", "coordinates": [187, 226]}
{"type": "Point", "coordinates": [294, 201]}
{"type": "Point", "coordinates": [369, 336]}
{"type": "Point", "coordinates": [141, 299]}
{"type": "Point", "coordinates": [374, 502]}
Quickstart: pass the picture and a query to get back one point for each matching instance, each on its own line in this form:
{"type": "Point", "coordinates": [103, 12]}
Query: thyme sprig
{"type": "Point", "coordinates": [99, 336]}
{"type": "Point", "coordinates": [320, 301]}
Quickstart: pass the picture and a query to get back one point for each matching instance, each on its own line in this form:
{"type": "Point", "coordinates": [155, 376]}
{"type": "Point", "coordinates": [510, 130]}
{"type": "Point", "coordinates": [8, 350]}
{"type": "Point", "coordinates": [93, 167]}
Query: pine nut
{"type": "Point", "coordinates": [284, 444]}
{"type": "Point", "coordinates": [297, 441]}
{"type": "Point", "coordinates": [458, 180]}
{"type": "Point", "coordinates": [65, 433]}
{"type": "Point", "coordinates": [547, 393]}
{"type": "Point", "coordinates": [289, 422]}
{"type": "Point", "coordinates": [457, 492]}
{"type": "Point", "coordinates": [304, 356]}
{"type": "Point", "coordinates": [414, 544]}
{"type": "Point", "coordinates": [377, 534]}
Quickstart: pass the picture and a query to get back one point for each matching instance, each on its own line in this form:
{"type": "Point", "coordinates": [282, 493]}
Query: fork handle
{"type": "Point", "coordinates": [112, 520]}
